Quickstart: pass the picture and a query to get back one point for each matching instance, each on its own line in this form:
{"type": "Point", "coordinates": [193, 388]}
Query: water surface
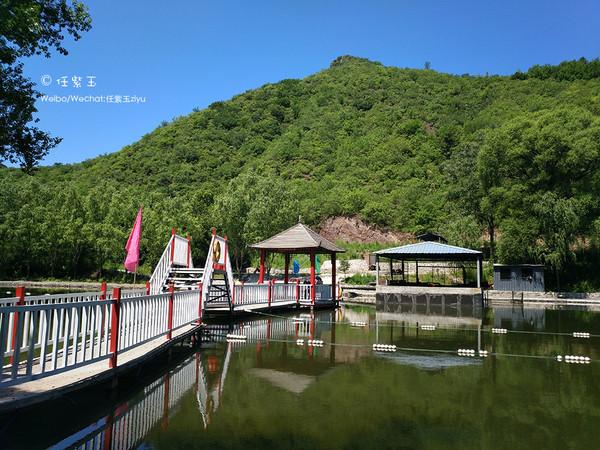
{"type": "Point", "coordinates": [271, 392]}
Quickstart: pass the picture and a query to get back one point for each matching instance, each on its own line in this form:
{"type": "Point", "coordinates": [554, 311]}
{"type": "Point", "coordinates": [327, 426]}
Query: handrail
{"type": "Point", "coordinates": [177, 253]}
{"type": "Point", "coordinates": [161, 271]}
{"type": "Point", "coordinates": [46, 338]}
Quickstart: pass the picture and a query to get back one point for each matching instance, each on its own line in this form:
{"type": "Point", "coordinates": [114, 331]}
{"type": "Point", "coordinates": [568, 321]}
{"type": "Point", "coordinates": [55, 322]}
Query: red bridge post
{"type": "Point", "coordinates": [114, 327]}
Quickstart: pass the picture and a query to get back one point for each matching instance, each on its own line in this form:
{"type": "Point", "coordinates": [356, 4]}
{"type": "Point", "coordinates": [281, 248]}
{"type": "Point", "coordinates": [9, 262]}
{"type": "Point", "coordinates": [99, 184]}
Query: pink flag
{"type": "Point", "coordinates": [133, 244]}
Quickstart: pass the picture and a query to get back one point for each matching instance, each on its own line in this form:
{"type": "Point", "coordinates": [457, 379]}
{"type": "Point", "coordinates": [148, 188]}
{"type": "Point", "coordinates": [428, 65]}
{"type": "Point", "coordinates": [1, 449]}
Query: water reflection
{"type": "Point", "coordinates": [270, 391]}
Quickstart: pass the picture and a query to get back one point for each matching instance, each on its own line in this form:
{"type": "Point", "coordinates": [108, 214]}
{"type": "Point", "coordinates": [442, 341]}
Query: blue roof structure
{"type": "Point", "coordinates": [430, 250]}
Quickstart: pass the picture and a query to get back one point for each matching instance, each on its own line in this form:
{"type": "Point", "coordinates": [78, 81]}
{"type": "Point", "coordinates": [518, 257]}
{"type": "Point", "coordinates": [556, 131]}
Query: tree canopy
{"type": "Point", "coordinates": [29, 28]}
{"type": "Point", "coordinates": [508, 164]}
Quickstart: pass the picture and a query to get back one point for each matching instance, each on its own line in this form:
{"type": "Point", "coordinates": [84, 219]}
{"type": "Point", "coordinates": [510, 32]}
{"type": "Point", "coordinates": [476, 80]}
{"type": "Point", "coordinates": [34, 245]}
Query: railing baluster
{"type": "Point", "coordinates": [76, 318]}
{"type": "Point", "coordinates": [17, 346]}
{"type": "Point", "coordinates": [44, 339]}
{"type": "Point", "coordinates": [35, 318]}
{"type": "Point", "coordinates": [4, 335]}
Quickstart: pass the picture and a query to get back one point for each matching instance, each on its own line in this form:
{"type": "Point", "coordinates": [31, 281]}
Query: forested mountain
{"type": "Point", "coordinates": [514, 160]}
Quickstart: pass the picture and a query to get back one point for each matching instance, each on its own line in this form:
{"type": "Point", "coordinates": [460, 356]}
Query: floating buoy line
{"type": "Point", "coordinates": [391, 348]}
{"type": "Point", "coordinates": [430, 327]}
{"type": "Point", "coordinates": [236, 337]}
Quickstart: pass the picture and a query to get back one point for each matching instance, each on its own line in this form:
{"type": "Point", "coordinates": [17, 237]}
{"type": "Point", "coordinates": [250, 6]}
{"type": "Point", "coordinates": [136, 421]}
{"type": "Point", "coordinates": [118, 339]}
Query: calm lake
{"type": "Point", "coordinates": [271, 392]}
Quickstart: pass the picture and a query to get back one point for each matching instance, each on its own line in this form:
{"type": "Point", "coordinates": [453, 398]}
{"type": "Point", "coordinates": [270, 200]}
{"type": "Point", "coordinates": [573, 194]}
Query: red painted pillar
{"type": "Point", "coordinates": [172, 245]}
{"type": "Point", "coordinates": [261, 275]}
{"type": "Point", "coordinates": [334, 296]}
{"type": "Point", "coordinates": [114, 327]}
{"type": "Point", "coordinates": [189, 250]}
{"type": "Point", "coordinates": [170, 312]}
{"type": "Point", "coordinates": [200, 304]}
{"type": "Point", "coordinates": [287, 268]}
{"type": "Point", "coordinates": [20, 293]}
{"type": "Point", "coordinates": [147, 288]}
{"type": "Point", "coordinates": [312, 278]}
{"type": "Point", "coordinates": [298, 292]}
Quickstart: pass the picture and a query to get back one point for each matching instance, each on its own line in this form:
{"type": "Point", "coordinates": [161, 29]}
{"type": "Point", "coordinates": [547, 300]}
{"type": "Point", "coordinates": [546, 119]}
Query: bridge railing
{"type": "Point", "coordinates": [176, 253]}
{"type": "Point", "coordinates": [283, 292]}
{"type": "Point", "coordinates": [161, 271]}
{"type": "Point", "coordinates": [251, 294]}
{"type": "Point", "coordinates": [38, 340]}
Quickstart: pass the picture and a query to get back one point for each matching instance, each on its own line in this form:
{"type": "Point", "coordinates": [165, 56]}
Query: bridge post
{"type": "Point", "coordinates": [19, 292]}
{"type": "Point", "coordinates": [298, 292]}
{"type": "Point", "coordinates": [103, 291]}
{"type": "Point", "coordinates": [170, 312]}
{"type": "Point", "coordinates": [147, 287]}
{"type": "Point", "coordinates": [114, 327]}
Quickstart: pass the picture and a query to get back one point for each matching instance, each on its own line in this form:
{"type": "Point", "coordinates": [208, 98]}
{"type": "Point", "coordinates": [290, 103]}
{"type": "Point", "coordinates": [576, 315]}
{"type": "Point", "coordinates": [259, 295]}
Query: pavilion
{"type": "Point", "coordinates": [429, 252]}
{"type": "Point", "coordinates": [299, 239]}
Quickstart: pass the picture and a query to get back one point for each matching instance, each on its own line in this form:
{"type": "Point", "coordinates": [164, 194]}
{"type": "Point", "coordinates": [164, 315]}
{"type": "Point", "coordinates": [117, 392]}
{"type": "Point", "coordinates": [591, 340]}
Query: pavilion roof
{"type": "Point", "coordinates": [430, 250]}
{"type": "Point", "coordinates": [298, 238]}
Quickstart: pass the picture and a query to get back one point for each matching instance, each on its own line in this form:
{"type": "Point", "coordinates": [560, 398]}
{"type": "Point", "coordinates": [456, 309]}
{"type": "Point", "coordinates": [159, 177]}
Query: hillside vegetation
{"type": "Point", "coordinates": [509, 163]}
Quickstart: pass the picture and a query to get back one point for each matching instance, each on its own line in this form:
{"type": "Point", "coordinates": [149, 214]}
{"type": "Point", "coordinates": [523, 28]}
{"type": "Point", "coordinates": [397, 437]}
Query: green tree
{"type": "Point", "coordinates": [27, 28]}
{"type": "Point", "coordinates": [253, 207]}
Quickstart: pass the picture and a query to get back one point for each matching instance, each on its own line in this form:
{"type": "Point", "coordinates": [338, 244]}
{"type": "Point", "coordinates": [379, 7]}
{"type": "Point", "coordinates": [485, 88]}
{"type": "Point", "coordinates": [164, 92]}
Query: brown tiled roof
{"type": "Point", "coordinates": [298, 238]}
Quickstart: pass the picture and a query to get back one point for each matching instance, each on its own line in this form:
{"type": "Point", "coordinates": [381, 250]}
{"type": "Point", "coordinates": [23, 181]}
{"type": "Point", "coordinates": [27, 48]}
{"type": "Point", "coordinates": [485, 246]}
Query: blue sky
{"type": "Point", "coordinates": [185, 54]}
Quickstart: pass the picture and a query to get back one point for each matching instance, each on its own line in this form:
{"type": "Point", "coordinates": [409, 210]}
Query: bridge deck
{"type": "Point", "coordinates": [43, 389]}
{"type": "Point", "coordinates": [265, 306]}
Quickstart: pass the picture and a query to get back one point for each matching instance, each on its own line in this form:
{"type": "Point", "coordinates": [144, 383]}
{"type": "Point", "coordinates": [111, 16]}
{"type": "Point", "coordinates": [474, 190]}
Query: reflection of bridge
{"type": "Point", "coordinates": [202, 375]}
{"type": "Point", "coordinates": [127, 425]}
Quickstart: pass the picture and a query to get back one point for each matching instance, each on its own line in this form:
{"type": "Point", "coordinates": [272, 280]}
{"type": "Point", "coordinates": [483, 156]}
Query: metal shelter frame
{"type": "Point", "coordinates": [430, 252]}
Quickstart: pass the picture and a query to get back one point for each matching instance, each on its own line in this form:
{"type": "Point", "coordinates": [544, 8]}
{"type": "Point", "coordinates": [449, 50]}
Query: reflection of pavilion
{"type": "Point", "coordinates": [402, 320]}
{"type": "Point", "coordinates": [446, 310]}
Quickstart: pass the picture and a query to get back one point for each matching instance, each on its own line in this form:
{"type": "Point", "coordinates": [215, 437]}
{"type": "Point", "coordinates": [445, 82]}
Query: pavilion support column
{"type": "Point", "coordinates": [391, 269]}
{"type": "Point", "coordinates": [403, 273]}
{"type": "Point", "coordinates": [261, 275]}
{"type": "Point", "coordinates": [376, 270]}
{"type": "Point", "coordinates": [286, 276]}
{"type": "Point", "coordinates": [312, 278]}
{"type": "Point", "coordinates": [417, 270]}
{"type": "Point", "coordinates": [333, 277]}
{"type": "Point", "coordinates": [479, 272]}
